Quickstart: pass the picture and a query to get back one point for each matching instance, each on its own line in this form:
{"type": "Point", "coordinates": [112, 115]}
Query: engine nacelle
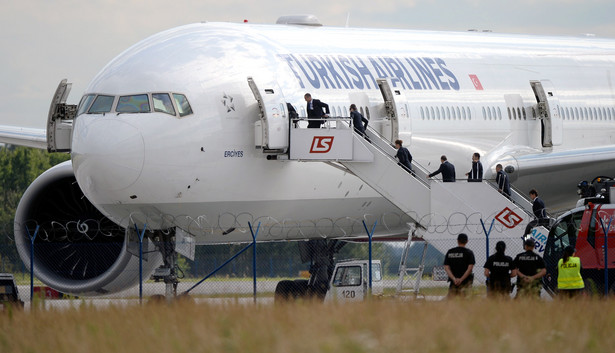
{"type": "Point", "coordinates": [77, 250]}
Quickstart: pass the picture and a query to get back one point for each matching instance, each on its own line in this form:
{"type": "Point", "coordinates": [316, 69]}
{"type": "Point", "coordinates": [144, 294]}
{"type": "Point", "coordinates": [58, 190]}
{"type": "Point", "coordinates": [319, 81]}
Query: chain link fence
{"type": "Point", "coordinates": [235, 273]}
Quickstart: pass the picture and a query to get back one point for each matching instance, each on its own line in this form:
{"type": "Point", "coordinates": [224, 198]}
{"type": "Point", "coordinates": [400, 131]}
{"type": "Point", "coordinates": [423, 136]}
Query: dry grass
{"type": "Point", "coordinates": [478, 325]}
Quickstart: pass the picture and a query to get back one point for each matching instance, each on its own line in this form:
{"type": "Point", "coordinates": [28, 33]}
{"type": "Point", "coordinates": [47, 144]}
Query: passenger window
{"type": "Point", "coordinates": [102, 104]}
{"type": "Point", "coordinates": [85, 103]}
{"type": "Point", "coordinates": [162, 103]}
{"type": "Point", "coordinates": [133, 104]}
{"type": "Point", "coordinates": [182, 104]}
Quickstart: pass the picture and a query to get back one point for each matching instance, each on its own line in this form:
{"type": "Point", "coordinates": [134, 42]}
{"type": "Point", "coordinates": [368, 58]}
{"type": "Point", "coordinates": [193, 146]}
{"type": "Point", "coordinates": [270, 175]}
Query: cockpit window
{"type": "Point", "coordinates": [133, 104]}
{"type": "Point", "coordinates": [162, 103]}
{"type": "Point", "coordinates": [85, 103]}
{"type": "Point", "coordinates": [182, 104]}
{"type": "Point", "coordinates": [102, 104]}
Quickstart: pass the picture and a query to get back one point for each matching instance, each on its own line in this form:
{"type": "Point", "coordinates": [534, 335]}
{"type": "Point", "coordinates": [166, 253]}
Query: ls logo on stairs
{"type": "Point", "coordinates": [321, 144]}
{"type": "Point", "coordinates": [508, 218]}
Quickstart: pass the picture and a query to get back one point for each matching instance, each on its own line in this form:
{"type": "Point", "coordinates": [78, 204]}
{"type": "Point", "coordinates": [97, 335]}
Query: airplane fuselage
{"type": "Point", "coordinates": [463, 93]}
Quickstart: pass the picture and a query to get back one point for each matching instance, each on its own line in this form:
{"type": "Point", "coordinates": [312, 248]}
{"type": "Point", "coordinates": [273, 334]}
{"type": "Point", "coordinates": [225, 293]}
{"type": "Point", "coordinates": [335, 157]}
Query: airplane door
{"type": "Point", "coordinates": [548, 112]}
{"type": "Point", "coordinates": [396, 108]}
{"type": "Point", "coordinates": [273, 121]}
{"type": "Point", "coordinates": [60, 120]}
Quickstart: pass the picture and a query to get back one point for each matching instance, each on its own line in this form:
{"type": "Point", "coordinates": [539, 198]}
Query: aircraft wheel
{"type": "Point", "coordinates": [283, 291]}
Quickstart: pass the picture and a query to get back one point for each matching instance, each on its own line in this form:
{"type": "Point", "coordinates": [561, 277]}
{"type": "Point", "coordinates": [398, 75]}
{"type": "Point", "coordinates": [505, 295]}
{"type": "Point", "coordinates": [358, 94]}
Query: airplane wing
{"type": "Point", "coordinates": [530, 164]}
{"type": "Point", "coordinates": [21, 136]}
{"type": "Point", "coordinates": [562, 171]}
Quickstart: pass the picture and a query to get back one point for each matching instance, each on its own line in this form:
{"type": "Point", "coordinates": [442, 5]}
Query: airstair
{"type": "Point", "coordinates": [432, 205]}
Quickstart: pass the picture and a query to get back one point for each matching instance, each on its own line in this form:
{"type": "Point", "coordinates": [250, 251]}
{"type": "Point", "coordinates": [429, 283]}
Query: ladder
{"type": "Point", "coordinates": [415, 273]}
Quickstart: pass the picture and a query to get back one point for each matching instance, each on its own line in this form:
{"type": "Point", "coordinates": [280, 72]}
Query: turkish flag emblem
{"type": "Point", "coordinates": [476, 82]}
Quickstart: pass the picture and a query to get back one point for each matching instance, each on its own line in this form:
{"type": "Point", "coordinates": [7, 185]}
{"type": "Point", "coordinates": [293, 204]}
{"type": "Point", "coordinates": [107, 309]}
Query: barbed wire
{"type": "Point", "coordinates": [229, 224]}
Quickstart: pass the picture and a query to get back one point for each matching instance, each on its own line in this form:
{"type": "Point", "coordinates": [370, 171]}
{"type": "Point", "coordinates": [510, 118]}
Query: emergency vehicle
{"type": "Point", "coordinates": [590, 229]}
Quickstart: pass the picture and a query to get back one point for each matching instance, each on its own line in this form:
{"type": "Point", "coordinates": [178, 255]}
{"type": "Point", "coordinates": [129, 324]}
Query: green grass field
{"type": "Point", "coordinates": [390, 325]}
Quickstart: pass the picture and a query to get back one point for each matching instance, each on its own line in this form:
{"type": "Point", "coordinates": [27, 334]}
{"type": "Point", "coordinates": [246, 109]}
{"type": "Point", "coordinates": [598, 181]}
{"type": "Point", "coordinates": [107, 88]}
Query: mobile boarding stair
{"type": "Point", "coordinates": [438, 210]}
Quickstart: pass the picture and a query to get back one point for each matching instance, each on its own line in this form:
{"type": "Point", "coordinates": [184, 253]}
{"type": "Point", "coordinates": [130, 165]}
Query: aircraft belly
{"type": "Point", "coordinates": [212, 222]}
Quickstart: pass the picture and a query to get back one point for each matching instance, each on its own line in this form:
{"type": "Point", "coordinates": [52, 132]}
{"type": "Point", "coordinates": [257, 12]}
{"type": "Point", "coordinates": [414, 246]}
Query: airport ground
{"type": "Point", "coordinates": [213, 291]}
{"type": "Point", "coordinates": [385, 325]}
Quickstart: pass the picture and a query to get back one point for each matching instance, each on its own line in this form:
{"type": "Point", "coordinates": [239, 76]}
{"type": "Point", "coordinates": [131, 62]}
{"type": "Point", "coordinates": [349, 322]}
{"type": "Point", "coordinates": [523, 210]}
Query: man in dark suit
{"type": "Point", "coordinates": [315, 111]}
{"type": "Point", "coordinates": [447, 169]}
{"type": "Point", "coordinates": [540, 212]}
{"type": "Point", "coordinates": [502, 180]}
{"type": "Point", "coordinates": [404, 156]}
{"type": "Point", "coordinates": [476, 173]}
{"type": "Point", "coordinates": [359, 123]}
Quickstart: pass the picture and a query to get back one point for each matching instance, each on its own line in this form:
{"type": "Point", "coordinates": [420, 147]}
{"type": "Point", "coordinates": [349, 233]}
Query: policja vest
{"type": "Point", "coordinates": [569, 276]}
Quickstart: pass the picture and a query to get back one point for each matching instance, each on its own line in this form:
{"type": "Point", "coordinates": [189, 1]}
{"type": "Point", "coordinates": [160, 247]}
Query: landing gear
{"type": "Point", "coordinates": [320, 253]}
{"type": "Point", "coordinates": [291, 290]}
{"type": "Point", "coordinates": [168, 272]}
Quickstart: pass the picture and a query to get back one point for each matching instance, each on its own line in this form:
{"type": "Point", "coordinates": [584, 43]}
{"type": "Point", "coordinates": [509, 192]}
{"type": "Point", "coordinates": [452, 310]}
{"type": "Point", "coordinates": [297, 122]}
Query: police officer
{"type": "Point", "coordinates": [458, 264]}
{"type": "Point", "coordinates": [569, 280]}
{"type": "Point", "coordinates": [530, 269]}
{"type": "Point", "coordinates": [498, 271]}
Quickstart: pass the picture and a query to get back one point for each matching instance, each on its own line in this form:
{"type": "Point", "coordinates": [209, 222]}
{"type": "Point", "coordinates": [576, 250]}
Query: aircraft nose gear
{"type": "Point", "coordinates": [168, 272]}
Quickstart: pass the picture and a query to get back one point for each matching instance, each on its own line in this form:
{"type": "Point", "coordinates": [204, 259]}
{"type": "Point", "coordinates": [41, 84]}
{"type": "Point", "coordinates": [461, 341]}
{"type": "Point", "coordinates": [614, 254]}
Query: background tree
{"type": "Point", "coordinates": [19, 166]}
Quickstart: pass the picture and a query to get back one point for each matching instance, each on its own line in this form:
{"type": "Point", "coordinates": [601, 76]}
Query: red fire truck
{"type": "Point", "coordinates": [590, 229]}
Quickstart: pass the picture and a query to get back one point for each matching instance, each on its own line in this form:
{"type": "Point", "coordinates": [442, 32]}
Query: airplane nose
{"type": "Point", "coordinates": [107, 154]}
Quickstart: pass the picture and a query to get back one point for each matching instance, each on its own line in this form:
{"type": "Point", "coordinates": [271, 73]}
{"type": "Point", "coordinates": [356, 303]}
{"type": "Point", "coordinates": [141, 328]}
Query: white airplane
{"type": "Point", "coordinates": [188, 130]}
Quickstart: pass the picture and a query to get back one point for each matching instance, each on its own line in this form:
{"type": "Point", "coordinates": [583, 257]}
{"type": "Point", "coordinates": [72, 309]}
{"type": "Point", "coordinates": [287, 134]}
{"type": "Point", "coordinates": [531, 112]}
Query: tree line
{"type": "Point", "coordinates": [19, 166]}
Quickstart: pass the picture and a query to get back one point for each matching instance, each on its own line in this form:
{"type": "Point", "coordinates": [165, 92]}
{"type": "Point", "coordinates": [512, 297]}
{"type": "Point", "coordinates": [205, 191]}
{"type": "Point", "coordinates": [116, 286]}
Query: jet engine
{"type": "Point", "coordinates": [77, 250]}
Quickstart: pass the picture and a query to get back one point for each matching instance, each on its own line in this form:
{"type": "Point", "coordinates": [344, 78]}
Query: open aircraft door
{"type": "Point", "coordinates": [396, 108]}
{"type": "Point", "coordinates": [548, 112]}
{"type": "Point", "coordinates": [60, 120]}
{"type": "Point", "coordinates": [271, 131]}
